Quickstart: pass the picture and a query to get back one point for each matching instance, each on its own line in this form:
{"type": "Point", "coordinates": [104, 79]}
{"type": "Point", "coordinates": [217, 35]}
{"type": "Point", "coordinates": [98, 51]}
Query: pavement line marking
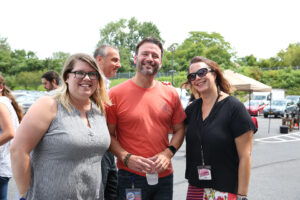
{"type": "Point", "coordinates": [280, 138]}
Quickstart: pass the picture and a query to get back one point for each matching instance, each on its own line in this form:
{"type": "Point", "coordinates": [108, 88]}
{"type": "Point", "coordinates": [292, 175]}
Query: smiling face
{"type": "Point", "coordinates": [148, 60]}
{"type": "Point", "coordinates": [204, 83]}
{"type": "Point", "coordinates": [111, 63]}
{"type": "Point", "coordinates": [81, 88]}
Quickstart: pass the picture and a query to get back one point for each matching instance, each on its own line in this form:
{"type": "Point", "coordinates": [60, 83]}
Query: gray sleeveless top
{"type": "Point", "coordinates": [66, 163]}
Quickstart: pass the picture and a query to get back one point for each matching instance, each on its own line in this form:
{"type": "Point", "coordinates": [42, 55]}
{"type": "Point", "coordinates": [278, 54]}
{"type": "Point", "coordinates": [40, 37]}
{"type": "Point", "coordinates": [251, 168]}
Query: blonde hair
{"type": "Point", "coordinates": [99, 97]}
{"type": "Point", "coordinates": [6, 92]}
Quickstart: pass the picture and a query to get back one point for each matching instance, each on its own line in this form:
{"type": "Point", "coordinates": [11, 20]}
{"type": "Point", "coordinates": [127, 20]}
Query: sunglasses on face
{"type": "Point", "coordinates": [201, 72]}
{"type": "Point", "coordinates": [82, 74]}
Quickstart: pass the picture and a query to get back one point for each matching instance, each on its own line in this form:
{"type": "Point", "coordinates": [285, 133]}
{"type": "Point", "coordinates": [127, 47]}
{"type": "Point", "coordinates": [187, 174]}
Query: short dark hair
{"type": "Point", "coordinates": [102, 50]}
{"type": "Point", "coordinates": [150, 40]}
{"type": "Point", "coordinates": [50, 76]}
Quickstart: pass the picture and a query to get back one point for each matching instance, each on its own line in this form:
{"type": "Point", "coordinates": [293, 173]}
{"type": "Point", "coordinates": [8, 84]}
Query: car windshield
{"type": "Point", "coordinates": [293, 98]}
{"type": "Point", "coordinates": [259, 97]}
{"type": "Point", "coordinates": [252, 103]}
{"type": "Point", "coordinates": [278, 103]}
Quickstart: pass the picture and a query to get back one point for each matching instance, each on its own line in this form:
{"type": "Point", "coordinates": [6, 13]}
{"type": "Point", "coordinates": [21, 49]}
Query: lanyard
{"type": "Point", "coordinates": [201, 132]}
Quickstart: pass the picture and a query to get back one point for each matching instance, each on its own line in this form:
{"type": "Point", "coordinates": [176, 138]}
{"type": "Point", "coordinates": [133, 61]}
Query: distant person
{"type": "Point", "coordinates": [108, 59]}
{"type": "Point", "coordinates": [219, 136]}
{"type": "Point", "coordinates": [50, 80]}
{"type": "Point", "coordinates": [142, 113]}
{"type": "Point", "coordinates": [59, 144]}
{"type": "Point", "coordinates": [10, 116]}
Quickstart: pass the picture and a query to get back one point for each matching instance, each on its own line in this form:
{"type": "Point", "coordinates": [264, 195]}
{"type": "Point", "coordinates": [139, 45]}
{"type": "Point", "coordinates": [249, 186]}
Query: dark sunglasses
{"type": "Point", "coordinates": [201, 72]}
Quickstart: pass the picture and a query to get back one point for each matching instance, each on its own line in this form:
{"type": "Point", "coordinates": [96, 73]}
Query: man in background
{"type": "Point", "coordinates": [50, 80]}
{"type": "Point", "coordinates": [108, 59]}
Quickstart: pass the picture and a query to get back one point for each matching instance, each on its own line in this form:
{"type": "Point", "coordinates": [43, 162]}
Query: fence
{"type": "Point", "coordinates": [128, 75]}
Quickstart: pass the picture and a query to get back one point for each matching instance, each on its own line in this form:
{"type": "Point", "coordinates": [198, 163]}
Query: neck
{"type": "Point", "coordinates": [209, 97]}
{"type": "Point", "coordinates": [144, 81]}
{"type": "Point", "coordinates": [80, 104]}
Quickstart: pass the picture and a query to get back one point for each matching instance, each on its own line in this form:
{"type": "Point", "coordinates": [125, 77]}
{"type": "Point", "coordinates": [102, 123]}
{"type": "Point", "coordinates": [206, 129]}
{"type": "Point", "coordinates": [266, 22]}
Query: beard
{"type": "Point", "coordinates": [142, 67]}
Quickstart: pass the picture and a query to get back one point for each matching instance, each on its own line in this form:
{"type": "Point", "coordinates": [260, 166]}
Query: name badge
{"type": "Point", "coordinates": [204, 172]}
{"type": "Point", "coordinates": [133, 194]}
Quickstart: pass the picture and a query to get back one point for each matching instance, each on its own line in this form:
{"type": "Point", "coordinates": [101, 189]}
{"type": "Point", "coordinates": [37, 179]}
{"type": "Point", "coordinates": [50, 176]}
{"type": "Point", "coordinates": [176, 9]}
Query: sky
{"type": "Point", "coordinates": [258, 27]}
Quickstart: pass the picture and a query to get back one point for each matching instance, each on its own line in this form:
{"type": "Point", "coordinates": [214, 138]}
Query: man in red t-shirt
{"type": "Point", "coordinates": [142, 114]}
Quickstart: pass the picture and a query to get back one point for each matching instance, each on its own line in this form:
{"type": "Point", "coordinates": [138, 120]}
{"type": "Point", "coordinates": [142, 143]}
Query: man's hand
{"type": "Point", "coordinates": [140, 164]}
{"type": "Point", "coordinates": [162, 160]}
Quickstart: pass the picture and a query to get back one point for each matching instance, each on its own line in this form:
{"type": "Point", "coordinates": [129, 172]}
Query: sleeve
{"type": "Point", "coordinates": [240, 120]}
{"type": "Point", "coordinates": [111, 111]}
{"type": "Point", "coordinates": [178, 114]}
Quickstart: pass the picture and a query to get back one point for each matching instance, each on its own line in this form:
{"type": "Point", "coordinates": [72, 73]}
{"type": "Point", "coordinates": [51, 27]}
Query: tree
{"type": "Point", "coordinates": [292, 55]}
{"type": "Point", "coordinates": [212, 46]}
{"type": "Point", "coordinates": [125, 34]}
{"type": "Point", "coordinates": [5, 57]}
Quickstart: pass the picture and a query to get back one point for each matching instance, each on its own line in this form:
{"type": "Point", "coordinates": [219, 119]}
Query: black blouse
{"type": "Point", "coordinates": [227, 120]}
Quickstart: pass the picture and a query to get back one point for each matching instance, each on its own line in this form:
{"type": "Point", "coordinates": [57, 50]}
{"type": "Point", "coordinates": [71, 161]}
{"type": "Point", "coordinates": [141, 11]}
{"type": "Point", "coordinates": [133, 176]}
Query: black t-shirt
{"type": "Point", "coordinates": [227, 120]}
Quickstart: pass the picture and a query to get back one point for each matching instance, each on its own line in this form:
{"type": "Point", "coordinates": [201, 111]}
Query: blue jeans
{"type": "Point", "coordinates": [161, 191]}
{"type": "Point", "coordinates": [3, 187]}
{"type": "Point", "coordinates": [109, 176]}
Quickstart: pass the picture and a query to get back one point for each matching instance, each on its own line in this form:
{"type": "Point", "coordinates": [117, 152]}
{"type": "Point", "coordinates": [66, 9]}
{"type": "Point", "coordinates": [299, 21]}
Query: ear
{"type": "Point", "coordinates": [99, 60]}
{"type": "Point", "coordinates": [134, 59]}
{"type": "Point", "coordinates": [1, 88]}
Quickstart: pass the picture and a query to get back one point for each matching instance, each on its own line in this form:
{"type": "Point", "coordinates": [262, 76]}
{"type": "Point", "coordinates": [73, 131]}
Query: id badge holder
{"type": "Point", "coordinates": [133, 193]}
{"type": "Point", "coordinates": [204, 172]}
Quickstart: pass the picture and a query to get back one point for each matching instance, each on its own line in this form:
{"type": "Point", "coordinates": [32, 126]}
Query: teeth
{"type": "Point", "coordinates": [85, 85]}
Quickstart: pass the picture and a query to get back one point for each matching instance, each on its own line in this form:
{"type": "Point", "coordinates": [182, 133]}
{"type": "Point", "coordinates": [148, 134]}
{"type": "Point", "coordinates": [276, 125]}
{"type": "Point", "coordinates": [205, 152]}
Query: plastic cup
{"type": "Point", "coordinates": [152, 178]}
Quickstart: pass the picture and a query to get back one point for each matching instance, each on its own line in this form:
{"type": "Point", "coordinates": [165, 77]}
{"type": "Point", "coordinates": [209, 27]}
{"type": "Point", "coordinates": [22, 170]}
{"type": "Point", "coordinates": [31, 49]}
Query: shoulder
{"type": "Point", "coordinates": [45, 104]}
{"type": "Point", "coordinates": [166, 86]}
{"type": "Point", "coordinates": [120, 87]}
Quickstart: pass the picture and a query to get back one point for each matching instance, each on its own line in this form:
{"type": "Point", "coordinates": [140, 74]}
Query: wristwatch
{"type": "Point", "coordinates": [172, 148]}
{"type": "Point", "coordinates": [239, 197]}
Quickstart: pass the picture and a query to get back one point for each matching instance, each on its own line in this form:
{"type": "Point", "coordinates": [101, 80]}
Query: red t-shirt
{"type": "Point", "coordinates": [143, 118]}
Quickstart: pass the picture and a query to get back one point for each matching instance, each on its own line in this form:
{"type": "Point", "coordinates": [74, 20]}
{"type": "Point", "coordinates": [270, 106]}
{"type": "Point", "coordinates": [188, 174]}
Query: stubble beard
{"type": "Point", "coordinates": [142, 68]}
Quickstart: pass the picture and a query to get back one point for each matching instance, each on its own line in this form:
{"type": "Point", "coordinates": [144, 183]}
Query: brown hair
{"type": "Point", "coordinates": [6, 92]}
{"type": "Point", "coordinates": [221, 83]}
{"type": "Point", "coordinates": [150, 40]}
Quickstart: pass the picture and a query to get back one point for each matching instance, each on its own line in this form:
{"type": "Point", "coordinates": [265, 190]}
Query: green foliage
{"type": "Point", "coordinates": [212, 46]}
{"type": "Point", "coordinates": [115, 82]}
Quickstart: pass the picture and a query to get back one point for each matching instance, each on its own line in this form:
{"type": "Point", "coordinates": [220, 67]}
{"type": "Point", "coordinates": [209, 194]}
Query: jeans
{"type": "Point", "coordinates": [3, 187]}
{"type": "Point", "coordinates": [109, 176]}
{"type": "Point", "coordinates": [161, 191]}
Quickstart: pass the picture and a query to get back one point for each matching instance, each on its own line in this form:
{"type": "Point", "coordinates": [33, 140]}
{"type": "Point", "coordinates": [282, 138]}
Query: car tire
{"type": "Point", "coordinates": [265, 115]}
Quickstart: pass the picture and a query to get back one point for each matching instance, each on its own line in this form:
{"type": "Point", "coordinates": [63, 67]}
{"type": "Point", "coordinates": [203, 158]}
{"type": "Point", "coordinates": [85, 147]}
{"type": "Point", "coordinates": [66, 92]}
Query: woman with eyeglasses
{"type": "Point", "coordinates": [10, 116]}
{"type": "Point", "coordinates": [219, 136]}
{"type": "Point", "coordinates": [58, 147]}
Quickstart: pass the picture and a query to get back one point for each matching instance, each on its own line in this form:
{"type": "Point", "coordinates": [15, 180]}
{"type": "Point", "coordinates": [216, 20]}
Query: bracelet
{"type": "Point", "coordinates": [126, 159]}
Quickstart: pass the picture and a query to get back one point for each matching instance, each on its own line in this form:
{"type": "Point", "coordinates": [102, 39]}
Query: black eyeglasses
{"type": "Point", "coordinates": [201, 72]}
{"type": "Point", "coordinates": [82, 74]}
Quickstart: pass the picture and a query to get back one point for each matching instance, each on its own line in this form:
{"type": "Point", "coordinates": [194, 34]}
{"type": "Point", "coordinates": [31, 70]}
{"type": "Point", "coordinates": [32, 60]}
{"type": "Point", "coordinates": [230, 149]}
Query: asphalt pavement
{"type": "Point", "coordinates": [275, 172]}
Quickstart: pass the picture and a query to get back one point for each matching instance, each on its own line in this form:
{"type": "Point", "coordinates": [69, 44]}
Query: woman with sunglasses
{"type": "Point", "coordinates": [10, 116]}
{"type": "Point", "coordinates": [218, 136]}
{"type": "Point", "coordinates": [59, 145]}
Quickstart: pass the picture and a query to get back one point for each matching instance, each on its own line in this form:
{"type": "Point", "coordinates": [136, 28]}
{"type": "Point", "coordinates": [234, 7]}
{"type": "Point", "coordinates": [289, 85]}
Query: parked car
{"type": "Point", "coordinates": [256, 107]}
{"type": "Point", "coordinates": [280, 108]}
{"type": "Point", "coordinates": [26, 98]}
